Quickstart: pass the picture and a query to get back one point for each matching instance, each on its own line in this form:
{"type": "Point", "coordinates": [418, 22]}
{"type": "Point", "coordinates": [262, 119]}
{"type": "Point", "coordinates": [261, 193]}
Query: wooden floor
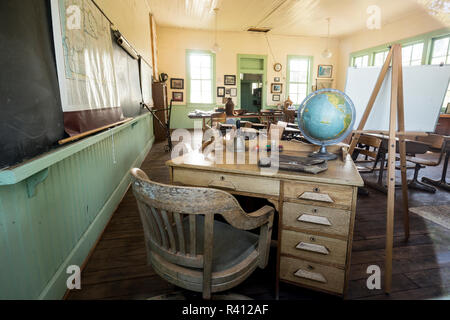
{"type": "Point", "coordinates": [117, 268]}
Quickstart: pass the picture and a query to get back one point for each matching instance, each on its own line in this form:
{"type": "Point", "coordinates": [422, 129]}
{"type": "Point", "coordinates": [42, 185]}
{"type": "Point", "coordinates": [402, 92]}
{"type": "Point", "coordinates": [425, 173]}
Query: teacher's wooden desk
{"type": "Point", "coordinates": [316, 212]}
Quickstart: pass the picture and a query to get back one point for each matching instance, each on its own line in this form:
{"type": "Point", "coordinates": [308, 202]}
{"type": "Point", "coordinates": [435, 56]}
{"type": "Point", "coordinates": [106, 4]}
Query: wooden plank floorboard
{"type": "Point", "coordinates": [118, 268]}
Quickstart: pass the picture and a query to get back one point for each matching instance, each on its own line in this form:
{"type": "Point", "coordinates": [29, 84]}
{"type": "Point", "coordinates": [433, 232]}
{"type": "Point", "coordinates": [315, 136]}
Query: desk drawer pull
{"type": "Point", "coordinates": [315, 196]}
{"type": "Point", "coordinates": [310, 276]}
{"type": "Point", "coordinates": [313, 248]}
{"type": "Point", "coordinates": [222, 184]}
{"type": "Point", "coordinates": [314, 219]}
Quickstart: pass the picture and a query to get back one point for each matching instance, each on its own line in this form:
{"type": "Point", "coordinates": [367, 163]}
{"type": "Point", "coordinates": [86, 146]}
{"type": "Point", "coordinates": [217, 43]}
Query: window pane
{"type": "Point", "coordinates": [406, 55]}
{"type": "Point", "coordinates": [200, 78]}
{"type": "Point", "coordinates": [293, 88]}
{"type": "Point", "coordinates": [440, 47]}
{"type": "Point", "coordinates": [417, 51]}
{"type": "Point", "coordinates": [380, 58]}
{"type": "Point", "coordinates": [438, 60]}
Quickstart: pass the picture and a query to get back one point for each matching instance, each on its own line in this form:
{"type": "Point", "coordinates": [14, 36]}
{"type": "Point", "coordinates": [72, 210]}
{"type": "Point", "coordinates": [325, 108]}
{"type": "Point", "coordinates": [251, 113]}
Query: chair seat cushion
{"type": "Point", "coordinates": [231, 246]}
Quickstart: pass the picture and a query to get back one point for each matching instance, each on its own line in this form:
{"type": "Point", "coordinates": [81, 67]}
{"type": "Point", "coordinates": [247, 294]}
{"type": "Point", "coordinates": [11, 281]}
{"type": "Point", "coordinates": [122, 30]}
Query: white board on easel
{"type": "Point", "coordinates": [424, 90]}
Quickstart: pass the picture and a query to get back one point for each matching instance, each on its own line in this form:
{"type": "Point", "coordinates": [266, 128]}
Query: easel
{"type": "Point", "coordinates": [397, 117]}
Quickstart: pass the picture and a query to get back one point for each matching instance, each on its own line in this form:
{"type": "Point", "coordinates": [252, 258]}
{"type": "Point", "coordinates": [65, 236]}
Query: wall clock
{"type": "Point", "coordinates": [277, 67]}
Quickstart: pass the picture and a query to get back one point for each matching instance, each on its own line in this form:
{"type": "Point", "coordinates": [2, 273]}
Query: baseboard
{"type": "Point", "coordinates": [56, 288]}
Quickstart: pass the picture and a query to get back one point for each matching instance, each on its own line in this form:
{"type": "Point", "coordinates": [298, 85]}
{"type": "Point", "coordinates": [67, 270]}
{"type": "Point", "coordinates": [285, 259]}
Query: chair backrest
{"type": "Point", "coordinates": [169, 215]}
{"type": "Point", "coordinates": [369, 142]}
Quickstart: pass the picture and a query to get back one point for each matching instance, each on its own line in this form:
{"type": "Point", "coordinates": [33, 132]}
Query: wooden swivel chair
{"type": "Point", "coordinates": [188, 248]}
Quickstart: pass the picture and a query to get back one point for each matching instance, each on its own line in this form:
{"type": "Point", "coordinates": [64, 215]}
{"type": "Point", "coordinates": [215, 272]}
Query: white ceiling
{"type": "Point", "coordinates": [285, 17]}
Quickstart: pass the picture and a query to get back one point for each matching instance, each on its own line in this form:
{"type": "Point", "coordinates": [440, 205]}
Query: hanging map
{"type": "Point", "coordinates": [85, 62]}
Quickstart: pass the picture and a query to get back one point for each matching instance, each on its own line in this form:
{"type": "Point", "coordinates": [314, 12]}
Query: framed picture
{"type": "Point", "coordinates": [177, 96]}
{"type": "Point", "coordinates": [228, 92]}
{"type": "Point", "coordinates": [276, 79]}
{"type": "Point", "coordinates": [276, 97]}
{"type": "Point", "coordinates": [233, 92]}
{"type": "Point", "coordinates": [277, 88]}
{"type": "Point", "coordinates": [325, 71]}
{"type": "Point", "coordinates": [230, 80]}
{"type": "Point", "coordinates": [221, 92]}
{"type": "Point", "coordinates": [177, 84]}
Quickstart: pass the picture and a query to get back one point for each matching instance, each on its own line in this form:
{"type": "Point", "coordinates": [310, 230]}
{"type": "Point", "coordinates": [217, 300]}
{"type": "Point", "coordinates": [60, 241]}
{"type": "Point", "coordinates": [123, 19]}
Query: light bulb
{"type": "Point", "coordinates": [216, 48]}
{"type": "Point", "coordinates": [327, 54]}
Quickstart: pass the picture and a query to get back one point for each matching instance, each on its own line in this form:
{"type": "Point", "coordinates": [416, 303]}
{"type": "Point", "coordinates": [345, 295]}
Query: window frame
{"type": "Point", "coordinates": [309, 77]}
{"type": "Point", "coordinates": [369, 58]}
{"type": "Point", "coordinates": [433, 40]}
{"type": "Point", "coordinates": [190, 52]}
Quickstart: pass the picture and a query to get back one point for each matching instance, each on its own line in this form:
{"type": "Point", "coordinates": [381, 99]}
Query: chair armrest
{"type": "Point", "coordinates": [250, 221]}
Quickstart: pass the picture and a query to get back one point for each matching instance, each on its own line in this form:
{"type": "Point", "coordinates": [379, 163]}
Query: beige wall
{"type": "Point", "coordinates": [410, 26]}
{"type": "Point", "coordinates": [173, 42]}
{"type": "Point", "coordinates": [132, 18]}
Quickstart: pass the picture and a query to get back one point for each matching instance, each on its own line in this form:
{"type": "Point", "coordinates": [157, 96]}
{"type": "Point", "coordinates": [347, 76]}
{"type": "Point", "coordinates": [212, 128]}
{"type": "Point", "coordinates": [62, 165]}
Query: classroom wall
{"type": "Point", "coordinates": [409, 26]}
{"type": "Point", "coordinates": [173, 42]}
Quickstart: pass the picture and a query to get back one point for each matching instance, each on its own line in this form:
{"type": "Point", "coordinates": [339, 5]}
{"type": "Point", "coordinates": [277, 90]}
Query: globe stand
{"type": "Point", "coordinates": [323, 154]}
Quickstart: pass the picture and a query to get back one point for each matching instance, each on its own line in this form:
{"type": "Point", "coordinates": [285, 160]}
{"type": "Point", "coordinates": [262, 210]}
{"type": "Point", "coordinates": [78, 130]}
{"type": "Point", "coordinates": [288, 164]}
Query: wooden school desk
{"type": "Point", "coordinates": [316, 212]}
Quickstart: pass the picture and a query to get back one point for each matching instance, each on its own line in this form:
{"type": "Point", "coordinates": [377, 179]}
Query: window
{"type": "Point", "coordinates": [412, 54]}
{"type": "Point", "coordinates": [201, 74]}
{"type": "Point", "coordinates": [379, 58]}
{"type": "Point", "coordinates": [361, 62]}
{"type": "Point", "coordinates": [299, 74]}
{"type": "Point", "coordinates": [441, 51]}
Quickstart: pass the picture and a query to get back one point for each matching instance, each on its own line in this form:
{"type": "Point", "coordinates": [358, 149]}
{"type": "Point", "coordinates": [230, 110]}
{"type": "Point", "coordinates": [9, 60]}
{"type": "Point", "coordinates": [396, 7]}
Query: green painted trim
{"type": "Point", "coordinates": [188, 79]}
{"type": "Point", "coordinates": [19, 173]}
{"type": "Point", "coordinates": [310, 72]}
{"type": "Point", "coordinates": [56, 288]}
{"type": "Point", "coordinates": [426, 38]}
{"type": "Point", "coordinates": [252, 71]}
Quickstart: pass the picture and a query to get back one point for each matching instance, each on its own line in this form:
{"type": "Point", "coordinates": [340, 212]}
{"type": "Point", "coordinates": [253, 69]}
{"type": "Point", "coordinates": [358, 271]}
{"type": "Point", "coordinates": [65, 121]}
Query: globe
{"type": "Point", "coordinates": [326, 117]}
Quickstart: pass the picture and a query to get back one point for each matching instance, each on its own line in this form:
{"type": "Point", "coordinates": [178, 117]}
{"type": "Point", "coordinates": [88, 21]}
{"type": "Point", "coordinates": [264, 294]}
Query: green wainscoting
{"type": "Point", "coordinates": [54, 208]}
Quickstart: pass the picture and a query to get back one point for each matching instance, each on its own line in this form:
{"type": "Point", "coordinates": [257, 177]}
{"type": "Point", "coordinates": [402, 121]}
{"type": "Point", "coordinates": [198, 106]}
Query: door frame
{"type": "Point", "coordinates": [252, 71]}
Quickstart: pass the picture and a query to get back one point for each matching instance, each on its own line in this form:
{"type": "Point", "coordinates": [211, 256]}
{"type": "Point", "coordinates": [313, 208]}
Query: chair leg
{"type": "Point", "coordinates": [416, 184]}
{"type": "Point", "coordinates": [440, 183]}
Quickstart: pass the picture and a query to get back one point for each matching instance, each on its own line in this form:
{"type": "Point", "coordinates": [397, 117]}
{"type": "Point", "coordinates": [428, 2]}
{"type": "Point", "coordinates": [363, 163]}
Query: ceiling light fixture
{"type": "Point", "coordinates": [327, 54]}
{"type": "Point", "coordinates": [216, 48]}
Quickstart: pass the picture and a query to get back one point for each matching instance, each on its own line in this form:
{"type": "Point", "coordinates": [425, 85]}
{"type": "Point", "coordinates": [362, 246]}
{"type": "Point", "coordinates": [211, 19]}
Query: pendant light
{"type": "Point", "coordinates": [216, 48]}
{"type": "Point", "coordinates": [327, 54]}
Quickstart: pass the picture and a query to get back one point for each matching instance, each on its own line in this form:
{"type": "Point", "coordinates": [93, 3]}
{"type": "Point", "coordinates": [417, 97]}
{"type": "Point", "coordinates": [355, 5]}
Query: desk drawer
{"type": "Point", "coordinates": [227, 182]}
{"type": "Point", "coordinates": [316, 248]}
{"type": "Point", "coordinates": [321, 194]}
{"type": "Point", "coordinates": [318, 219]}
{"type": "Point", "coordinates": [312, 275]}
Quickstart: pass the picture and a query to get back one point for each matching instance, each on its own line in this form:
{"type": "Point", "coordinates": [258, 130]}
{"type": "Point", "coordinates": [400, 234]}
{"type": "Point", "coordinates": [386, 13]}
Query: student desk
{"type": "Point", "coordinates": [316, 212]}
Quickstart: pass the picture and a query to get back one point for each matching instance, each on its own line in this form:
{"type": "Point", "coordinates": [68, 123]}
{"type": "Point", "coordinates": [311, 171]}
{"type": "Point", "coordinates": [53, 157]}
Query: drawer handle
{"type": "Point", "coordinates": [314, 219]}
{"type": "Point", "coordinates": [313, 248]}
{"type": "Point", "coordinates": [310, 276]}
{"type": "Point", "coordinates": [315, 196]}
{"type": "Point", "coordinates": [222, 184]}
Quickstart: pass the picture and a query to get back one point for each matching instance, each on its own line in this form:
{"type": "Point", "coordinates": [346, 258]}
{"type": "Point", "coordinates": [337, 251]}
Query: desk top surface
{"type": "Point", "coordinates": [339, 172]}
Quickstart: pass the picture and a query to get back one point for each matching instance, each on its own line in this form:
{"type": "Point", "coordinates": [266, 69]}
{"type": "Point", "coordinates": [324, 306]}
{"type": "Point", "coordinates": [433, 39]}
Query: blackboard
{"type": "Point", "coordinates": [31, 120]}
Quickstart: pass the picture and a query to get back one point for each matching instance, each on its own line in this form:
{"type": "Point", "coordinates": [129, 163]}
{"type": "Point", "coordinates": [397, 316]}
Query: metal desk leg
{"type": "Point", "coordinates": [440, 183]}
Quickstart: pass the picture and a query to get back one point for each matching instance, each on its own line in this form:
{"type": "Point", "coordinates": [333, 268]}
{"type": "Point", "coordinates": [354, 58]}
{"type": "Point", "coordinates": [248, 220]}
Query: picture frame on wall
{"type": "Point", "coordinates": [325, 71]}
{"type": "Point", "coordinates": [229, 80]}
{"type": "Point", "coordinates": [177, 96]}
{"type": "Point", "coordinates": [277, 88]}
{"type": "Point", "coordinates": [221, 92]}
{"type": "Point", "coordinates": [233, 92]}
{"type": "Point", "coordinates": [276, 79]}
{"type": "Point", "coordinates": [228, 91]}
{"type": "Point", "coordinates": [177, 84]}
{"type": "Point", "coordinates": [276, 97]}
